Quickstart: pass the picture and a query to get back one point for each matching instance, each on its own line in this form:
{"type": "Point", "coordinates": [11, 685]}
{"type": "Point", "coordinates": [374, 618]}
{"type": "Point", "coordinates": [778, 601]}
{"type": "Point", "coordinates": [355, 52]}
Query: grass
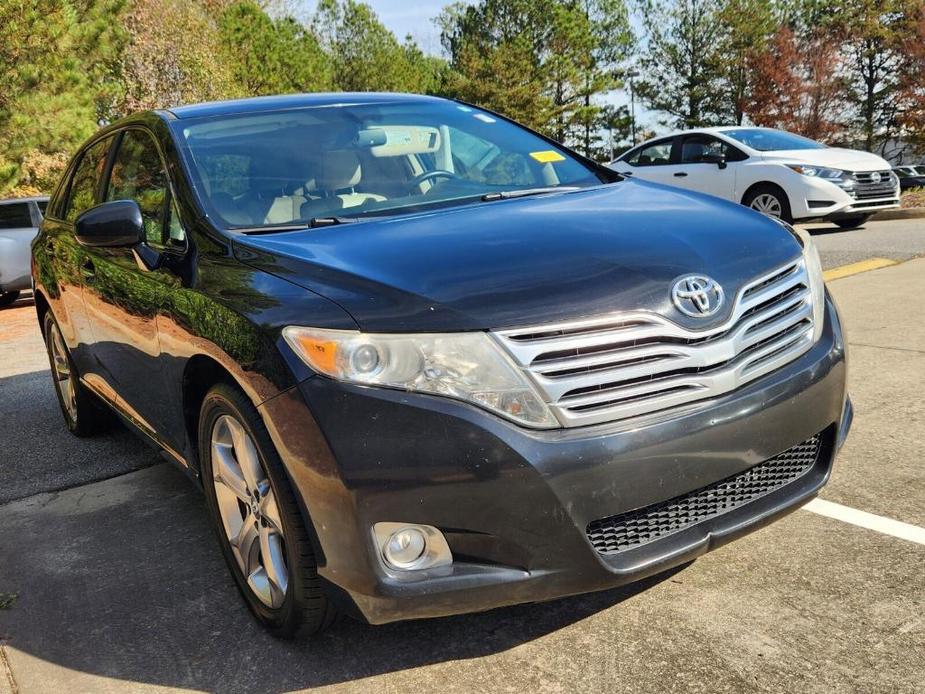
{"type": "Point", "coordinates": [7, 600]}
{"type": "Point", "coordinates": [914, 198]}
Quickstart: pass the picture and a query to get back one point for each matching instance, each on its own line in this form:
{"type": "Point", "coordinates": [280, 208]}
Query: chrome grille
{"type": "Point", "coordinates": [866, 189]}
{"type": "Point", "coordinates": [628, 530]}
{"type": "Point", "coordinates": [631, 364]}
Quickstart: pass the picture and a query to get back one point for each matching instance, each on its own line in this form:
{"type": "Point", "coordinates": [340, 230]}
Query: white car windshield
{"type": "Point", "coordinates": [289, 167]}
{"type": "Point", "coordinates": [772, 140]}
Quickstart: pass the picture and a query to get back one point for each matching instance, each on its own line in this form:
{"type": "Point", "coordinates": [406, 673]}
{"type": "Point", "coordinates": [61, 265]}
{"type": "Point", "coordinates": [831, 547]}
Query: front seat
{"type": "Point", "coordinates": [339, 172]}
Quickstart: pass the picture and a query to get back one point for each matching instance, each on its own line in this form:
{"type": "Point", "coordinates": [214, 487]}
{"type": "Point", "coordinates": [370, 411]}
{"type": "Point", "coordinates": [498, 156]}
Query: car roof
{"type": "Point", "coordinates": [711, 129]}
{"type": "Point", "coordinates": [292, 101]}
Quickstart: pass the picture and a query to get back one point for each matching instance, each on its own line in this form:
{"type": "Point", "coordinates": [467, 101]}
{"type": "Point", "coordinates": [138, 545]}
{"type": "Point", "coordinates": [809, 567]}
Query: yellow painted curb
{"type": "Point", "coordinates": [836, 273]}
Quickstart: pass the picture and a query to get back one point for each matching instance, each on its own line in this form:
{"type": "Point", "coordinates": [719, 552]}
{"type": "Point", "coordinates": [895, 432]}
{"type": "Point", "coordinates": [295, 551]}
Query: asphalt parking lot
{"type": "Point", "coordinates": [118, 586]}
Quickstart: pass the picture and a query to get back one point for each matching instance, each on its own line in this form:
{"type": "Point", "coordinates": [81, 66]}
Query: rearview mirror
{"type": "Point", "coordinates": [714, 158]}
{"type": "Point", "coordinates": [111, 225]}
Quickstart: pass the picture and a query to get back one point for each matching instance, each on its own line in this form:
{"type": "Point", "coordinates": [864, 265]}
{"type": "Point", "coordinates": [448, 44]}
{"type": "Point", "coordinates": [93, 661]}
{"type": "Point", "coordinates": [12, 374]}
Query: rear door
{"type": "Point", "coordinates": [123, 297]}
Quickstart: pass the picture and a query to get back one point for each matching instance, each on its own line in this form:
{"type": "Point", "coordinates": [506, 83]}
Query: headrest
{"type": "Point", "coordinates": [693, 151]}
{"type": "Point", "coordinates": [339, 169]}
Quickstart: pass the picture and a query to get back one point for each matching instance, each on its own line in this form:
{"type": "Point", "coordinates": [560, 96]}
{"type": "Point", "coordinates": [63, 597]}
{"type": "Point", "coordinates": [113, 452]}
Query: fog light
{"type": "Point", "coordinates": [405, 548]}
{"type": "Point", "coordinates": [408, 546]}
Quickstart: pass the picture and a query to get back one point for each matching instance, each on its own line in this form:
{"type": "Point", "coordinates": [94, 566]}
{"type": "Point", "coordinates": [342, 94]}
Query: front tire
{"type": "Point", "coordinates": [770, 200]}
{"type": "Point", "coordinates": [260, 528]}
{"type": "Point", "coordinates": [8, 298]}
{"type": "Point", "coordinates": [852, 222]}
{"type": "Point", "coordinates": [83, 413]}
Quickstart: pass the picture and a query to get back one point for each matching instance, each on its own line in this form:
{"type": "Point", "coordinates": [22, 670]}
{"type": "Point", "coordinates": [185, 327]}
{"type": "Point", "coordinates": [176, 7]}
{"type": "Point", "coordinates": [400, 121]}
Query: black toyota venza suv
{"type": "Point", "coordinates": [425, 361]}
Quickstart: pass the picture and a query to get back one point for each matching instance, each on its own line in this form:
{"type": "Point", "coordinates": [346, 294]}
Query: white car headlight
{"type": "Point", "coordinates": [465, 366]}
{"type": "Point", "coordinates": [817, 171]}
{"type": "Point", "coordinates": [816, 280]}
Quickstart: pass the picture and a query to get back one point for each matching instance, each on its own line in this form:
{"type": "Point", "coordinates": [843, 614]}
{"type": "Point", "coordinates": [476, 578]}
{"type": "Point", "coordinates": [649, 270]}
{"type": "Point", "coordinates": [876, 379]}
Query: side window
{"type": "Point", "coordinates": [138, 174]}
{"type": "Point", "coordinates": [656, 154]}
{"type": "Point", "coordinates": [697, 147]}
{"type": "Point", "coordinates": [15, 216]}
{"type": "Point", "coordinates": [82, 195]}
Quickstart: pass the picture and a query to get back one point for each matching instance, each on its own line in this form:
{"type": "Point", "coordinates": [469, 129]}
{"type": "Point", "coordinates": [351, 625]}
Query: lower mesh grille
{"type": "Point", "coordinates": [628, 530]}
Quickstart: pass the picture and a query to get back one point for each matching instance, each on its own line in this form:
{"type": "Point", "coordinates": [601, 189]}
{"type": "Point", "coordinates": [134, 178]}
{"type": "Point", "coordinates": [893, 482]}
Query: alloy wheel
{"type": "Point", "coordinates": [249, 511]}
{"type": "Point", "coordinates": [767, 204]}
{"type": "Point", "coordinates": [64, 377]}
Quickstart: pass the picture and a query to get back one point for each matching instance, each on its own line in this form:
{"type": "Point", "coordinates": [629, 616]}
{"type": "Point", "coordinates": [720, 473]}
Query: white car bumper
{"type": "Point", "coordinates": [816, 198]}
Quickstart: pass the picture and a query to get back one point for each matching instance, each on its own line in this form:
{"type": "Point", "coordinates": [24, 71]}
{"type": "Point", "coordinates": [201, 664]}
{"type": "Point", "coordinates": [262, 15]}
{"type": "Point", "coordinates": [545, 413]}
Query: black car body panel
{"type": "Point", "coordinates": [513, 503]}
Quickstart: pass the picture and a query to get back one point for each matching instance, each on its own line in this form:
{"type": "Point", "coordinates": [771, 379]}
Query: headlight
{"type": "Point", "coordinates": [465, 366]}
{"type": "Point", "coordinates": [816, 281]}
{"type": "Point", "coordinates": [817, 171]}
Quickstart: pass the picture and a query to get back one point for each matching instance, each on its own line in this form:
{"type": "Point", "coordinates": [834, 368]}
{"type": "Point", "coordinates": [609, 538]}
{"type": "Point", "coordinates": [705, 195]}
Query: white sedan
{"type": "Point", "coordinates": [772, 171]}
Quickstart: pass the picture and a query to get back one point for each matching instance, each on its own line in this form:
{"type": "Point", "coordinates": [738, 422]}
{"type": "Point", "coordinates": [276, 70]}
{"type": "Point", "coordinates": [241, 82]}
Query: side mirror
{"type": "Point", "coordinates": [718, 159]}
{"type": "Point", "coordinates": [111, 225]}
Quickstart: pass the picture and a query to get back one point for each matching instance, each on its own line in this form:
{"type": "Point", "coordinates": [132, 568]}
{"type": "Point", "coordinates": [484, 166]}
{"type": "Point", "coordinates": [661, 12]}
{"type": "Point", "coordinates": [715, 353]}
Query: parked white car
{"type": "Point", "coordinates": [772, 171]}
{"type": "Point", "coordinates": [19, 223]}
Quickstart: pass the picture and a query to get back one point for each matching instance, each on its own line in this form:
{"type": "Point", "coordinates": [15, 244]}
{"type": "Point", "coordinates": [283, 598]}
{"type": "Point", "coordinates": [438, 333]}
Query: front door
{"type": "Point", "coordinates": [695, 170]}
{"type": "Point", "coordinates": [123, 296]}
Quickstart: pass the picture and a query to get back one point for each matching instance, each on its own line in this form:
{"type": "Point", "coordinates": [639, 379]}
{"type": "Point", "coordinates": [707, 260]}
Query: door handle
{"type": "Point", "coordinates": [680, 174]}
{"type": "Point", "coordinates": [626, 173]}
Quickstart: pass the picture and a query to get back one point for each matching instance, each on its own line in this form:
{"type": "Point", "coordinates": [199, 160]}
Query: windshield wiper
{"type": "Point", "coordinates": [525, 192]}
{"type": "Point", "coordinates": [312, 223]}
{"type": "Point", "coordinates": [316, 222]}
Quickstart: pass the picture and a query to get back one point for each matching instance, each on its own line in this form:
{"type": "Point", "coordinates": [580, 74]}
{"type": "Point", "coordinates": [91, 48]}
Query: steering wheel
{"type": "Point", "coordinates": [428, 175]}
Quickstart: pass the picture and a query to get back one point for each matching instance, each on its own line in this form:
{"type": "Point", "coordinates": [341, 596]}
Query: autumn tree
{"type": "Point", "coordinates": [797, 86]}
{"type": "Point", "coordinates": [876, 47]}
{"type": "Point", "coordinates": [173, 56]}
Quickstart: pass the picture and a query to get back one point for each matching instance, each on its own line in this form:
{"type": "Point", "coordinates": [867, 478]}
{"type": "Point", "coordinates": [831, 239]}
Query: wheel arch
{"type": "Point", "coordinates": [200, 374]}
{"type": "Point", "coordinates": [754, 187]}
{"type": "Point", "coordinates": [42, 306]}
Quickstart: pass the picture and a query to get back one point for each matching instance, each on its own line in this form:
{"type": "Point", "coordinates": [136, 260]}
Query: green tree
{"type": "Point", "coordinates": [497, 52]}
{"type": "Point", "coordinates": [268, 56]}
{"type": "Point", "coordinates": [542, 62]}
{"type": "Point", "coordinates": [366, 56]}
{"type": "Point", "coordinates": [57, 77]}
{"type": "Point", "coordinates": [682, 74]}
{"type": "Point", "coordinates": [747, 29]}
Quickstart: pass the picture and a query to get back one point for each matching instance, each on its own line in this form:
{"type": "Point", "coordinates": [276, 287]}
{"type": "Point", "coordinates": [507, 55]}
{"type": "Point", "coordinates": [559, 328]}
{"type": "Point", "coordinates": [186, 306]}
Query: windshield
{"type": "Point", "coordinates": [285, 168]}
{"type": "Point", "coordinates": [772, 140]}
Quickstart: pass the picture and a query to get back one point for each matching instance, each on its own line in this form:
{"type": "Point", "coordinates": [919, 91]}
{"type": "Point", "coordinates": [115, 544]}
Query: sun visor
{"type": "Point", "coordinates": [396, 140]}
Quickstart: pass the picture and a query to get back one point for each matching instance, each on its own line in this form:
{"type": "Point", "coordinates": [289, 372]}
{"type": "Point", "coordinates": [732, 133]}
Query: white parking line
{"type": "Point", "coordinates": [862, 519]}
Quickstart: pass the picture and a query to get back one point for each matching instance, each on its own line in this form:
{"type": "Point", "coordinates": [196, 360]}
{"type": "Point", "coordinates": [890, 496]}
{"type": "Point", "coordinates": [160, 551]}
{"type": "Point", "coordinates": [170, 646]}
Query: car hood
{"type": "Point", "coordinates": [834, 157]}
{"type": "Point", "coordinates": [527, 261]}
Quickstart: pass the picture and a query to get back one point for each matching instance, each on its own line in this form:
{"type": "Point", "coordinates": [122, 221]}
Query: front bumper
{"type": "Point", "coordinates": [515, 504]}
{"type": "Point", "coordinates": [812, 198]}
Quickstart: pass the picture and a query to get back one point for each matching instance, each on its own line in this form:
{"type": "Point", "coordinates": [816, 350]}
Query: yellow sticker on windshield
{"type": "Point", "coordinates": [547, 156]}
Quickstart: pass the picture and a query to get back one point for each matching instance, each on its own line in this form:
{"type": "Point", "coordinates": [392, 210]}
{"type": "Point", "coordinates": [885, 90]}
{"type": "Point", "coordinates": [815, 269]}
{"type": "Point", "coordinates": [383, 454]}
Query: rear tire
{"type": "Point", "coordinates": [83, 412]}
{"type": "Point", "coordinates": [8, 298]}
{"type": "Point", "coordinates": [770, 200]}
{"type": "Point", "coordinates": [853, 222]}
{"type": "Point", "coordinates": [302, 606]}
